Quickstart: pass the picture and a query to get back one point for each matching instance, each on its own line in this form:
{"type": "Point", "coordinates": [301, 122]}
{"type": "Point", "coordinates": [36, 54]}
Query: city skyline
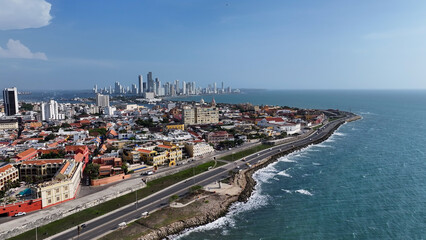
{"type": "Point", "coordinates": [169, 88]}
{"type": "Point", "coordinates": [273, 45]}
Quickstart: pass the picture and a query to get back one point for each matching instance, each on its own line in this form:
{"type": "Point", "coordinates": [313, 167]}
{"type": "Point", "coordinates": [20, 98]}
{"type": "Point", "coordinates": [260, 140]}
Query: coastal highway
{"type": "Point", "coordinates": [98, 227]}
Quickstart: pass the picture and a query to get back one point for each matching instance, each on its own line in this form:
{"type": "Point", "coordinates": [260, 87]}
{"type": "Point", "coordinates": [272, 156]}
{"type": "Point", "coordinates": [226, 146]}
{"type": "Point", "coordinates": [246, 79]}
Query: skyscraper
{"type": "Point", "coordinates": [183, 87]}
{"type": "Point", "coordinates": [140, 85]}
{"type": "Point", "coordinates": [177, 87]}
{"type": "Point", "coordinates": [118, 88]}
{"type": "Point", "coordinates": [10, 97]}
{"type": "Point", "coordinates": [157, 86]}
{"type": "Point", "coordinates": [150, 82]}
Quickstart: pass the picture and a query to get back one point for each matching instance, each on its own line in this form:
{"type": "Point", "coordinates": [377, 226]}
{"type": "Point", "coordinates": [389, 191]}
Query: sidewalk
{"type": "Point", "coordinates": [91, 196]}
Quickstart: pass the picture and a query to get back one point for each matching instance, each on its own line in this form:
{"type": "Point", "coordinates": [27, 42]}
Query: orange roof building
{"type": "Point", "coordinates": [26, 155]}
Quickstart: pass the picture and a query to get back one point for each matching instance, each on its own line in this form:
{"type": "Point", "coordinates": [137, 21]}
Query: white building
{"type": "Point", "coordinates": [271, 121]}
{"type": "Point", "coordinates": [102, 100]}
{"type": "Point", "coordinates": [196, 149]}
{"type": "Point", "coordinates": [289, 128]}
{"type": "Point", "coordinates": [149, 95]}
{"type": "Point", "coordinates": [50, 111]}
{"type": "Point", "coordinates": [109, 111]}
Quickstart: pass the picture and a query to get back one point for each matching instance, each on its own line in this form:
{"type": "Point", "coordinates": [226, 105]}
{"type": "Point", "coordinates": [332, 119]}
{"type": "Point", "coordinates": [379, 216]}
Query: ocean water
{"type": "Point", "coordinates": [368, 181]}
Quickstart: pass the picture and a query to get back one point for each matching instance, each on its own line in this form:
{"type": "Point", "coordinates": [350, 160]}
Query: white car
{"type": "Point", "coordinates": [20, 214]}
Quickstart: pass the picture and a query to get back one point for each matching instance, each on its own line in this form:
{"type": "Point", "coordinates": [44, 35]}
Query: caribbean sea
{"type": "Point", "coordinates": [367, 181]}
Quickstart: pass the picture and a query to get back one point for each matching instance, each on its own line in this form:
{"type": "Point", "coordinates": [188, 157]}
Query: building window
{"type": "Point", "coordinates": [57, 190]}
{"type": "Point", "coordinates": [66, 195]}
{"type": "Point", "coordinates": [66, 188]}
{"type": "Point", "coordinates": [49, 193]}
{"type": "Point", "coordinates": [49, 201]}
{"type": "Point", "coordinates": [57, 198]}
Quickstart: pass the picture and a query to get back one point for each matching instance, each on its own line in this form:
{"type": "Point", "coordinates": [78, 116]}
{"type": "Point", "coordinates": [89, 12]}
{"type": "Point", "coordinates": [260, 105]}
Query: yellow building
{"type": "Point", "coordinates": [64, 185]}
{"type": "Point", "coordinates": [176, 126]}
{"type": "Point", "coordinates": [200, 115]}
{"type": "Point", "coordinates": [152, 157]}
{"type": "Point", "coordinates": [8, 173]}
{"type": "Point", "coordinates": [165, 155]}
{"type": "Point", "coordinates": [8, 124]}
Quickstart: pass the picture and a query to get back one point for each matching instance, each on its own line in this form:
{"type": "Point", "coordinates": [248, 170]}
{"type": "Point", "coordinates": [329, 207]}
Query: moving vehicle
{"type": "Point", "coordinates": [147, 173]}
{"type": "Point", "coordinates": [145, 214]}
{"type": "Point", "coordinates": [122, 225]}
{"type": "Point", "coordinates": [20, 214]}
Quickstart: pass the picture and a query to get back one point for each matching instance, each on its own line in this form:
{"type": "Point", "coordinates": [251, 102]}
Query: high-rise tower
{"type": "Point", "coordinates": [140, 84]}
{"type": "Point", "coordinates": [10, 97]}
{"type": "Point", "coordinates": [150, 87]}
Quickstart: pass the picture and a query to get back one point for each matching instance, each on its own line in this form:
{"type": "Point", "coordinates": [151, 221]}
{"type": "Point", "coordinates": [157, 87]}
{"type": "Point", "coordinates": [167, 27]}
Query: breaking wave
{"type": "Point", "coordinates": [304, 192]}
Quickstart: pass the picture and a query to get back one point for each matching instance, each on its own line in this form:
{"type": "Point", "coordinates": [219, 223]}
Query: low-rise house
{"type": "Point", "coordinates": [216, 137]}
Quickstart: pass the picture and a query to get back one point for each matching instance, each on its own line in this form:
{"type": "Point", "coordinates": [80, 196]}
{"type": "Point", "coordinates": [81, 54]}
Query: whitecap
{"type": "Point", "coordinates": [304, 192]}
{"type": "Point", "coordinates": [339, 134]}
{"type": "Point", "coordinates": [316, 164]}
{"type": "Point", "coordinates": [287, 191]}
{"type": "Point", "coordinates": [322, 146]}
{"type": "Point", "coordinates": [284, 173]}
{"type": "Point", "coordinates": [285, 159]}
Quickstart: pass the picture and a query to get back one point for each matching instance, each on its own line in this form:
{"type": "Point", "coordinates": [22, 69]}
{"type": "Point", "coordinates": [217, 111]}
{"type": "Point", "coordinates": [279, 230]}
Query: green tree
{"type": "Point", "coordinates": [124, 168]}
{"type": "Point", "coordinates": [27, 107]}
{"type": "Point", "coordinates": [92, 169]}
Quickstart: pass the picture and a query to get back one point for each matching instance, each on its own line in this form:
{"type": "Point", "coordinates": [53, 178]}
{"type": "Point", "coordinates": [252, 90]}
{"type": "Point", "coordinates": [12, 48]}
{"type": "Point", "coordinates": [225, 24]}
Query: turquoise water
{"type": "Point", "coordinates": [368, 181]}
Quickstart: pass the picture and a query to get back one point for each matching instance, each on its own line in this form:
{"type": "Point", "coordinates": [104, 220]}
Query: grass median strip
{"type": "Point", "coordinates": [106, 207]}
{"type": "Point", "coordinates": [245, 153]}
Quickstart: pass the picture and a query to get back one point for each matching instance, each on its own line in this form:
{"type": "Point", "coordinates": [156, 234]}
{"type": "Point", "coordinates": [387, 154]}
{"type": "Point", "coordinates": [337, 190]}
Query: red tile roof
{"type": "Point", "coordinates": [42, 162]}
{"type": "Point", "coordinates": [275, 119]}
{"type": "Point", "coordinates": [164, 146]}
{"type": "Point", "coordinates": [27, 153]}
{"type": "Point", "coordinates": [144, 151]}
{"type": "Point", "coordinates": [5, 168]}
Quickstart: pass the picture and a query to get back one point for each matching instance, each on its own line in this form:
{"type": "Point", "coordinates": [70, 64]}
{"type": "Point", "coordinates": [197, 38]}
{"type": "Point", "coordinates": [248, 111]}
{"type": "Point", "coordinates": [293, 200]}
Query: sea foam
{"type": "Point", "coordinates": [304, 192]}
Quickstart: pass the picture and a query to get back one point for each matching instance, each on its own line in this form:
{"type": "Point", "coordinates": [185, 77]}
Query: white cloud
{"type": "Point", "coordinates": [21, 14]}
{"type": "Point", "coordinates": [15, 49]}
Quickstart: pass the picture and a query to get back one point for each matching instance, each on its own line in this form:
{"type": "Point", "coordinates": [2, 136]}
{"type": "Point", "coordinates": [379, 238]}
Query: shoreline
{"type": "Point", "coordinates": [244, 180]}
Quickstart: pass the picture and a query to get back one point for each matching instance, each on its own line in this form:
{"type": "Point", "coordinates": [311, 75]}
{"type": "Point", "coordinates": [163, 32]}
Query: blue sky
{"type": "Point", "coordinates": [334, 44]}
